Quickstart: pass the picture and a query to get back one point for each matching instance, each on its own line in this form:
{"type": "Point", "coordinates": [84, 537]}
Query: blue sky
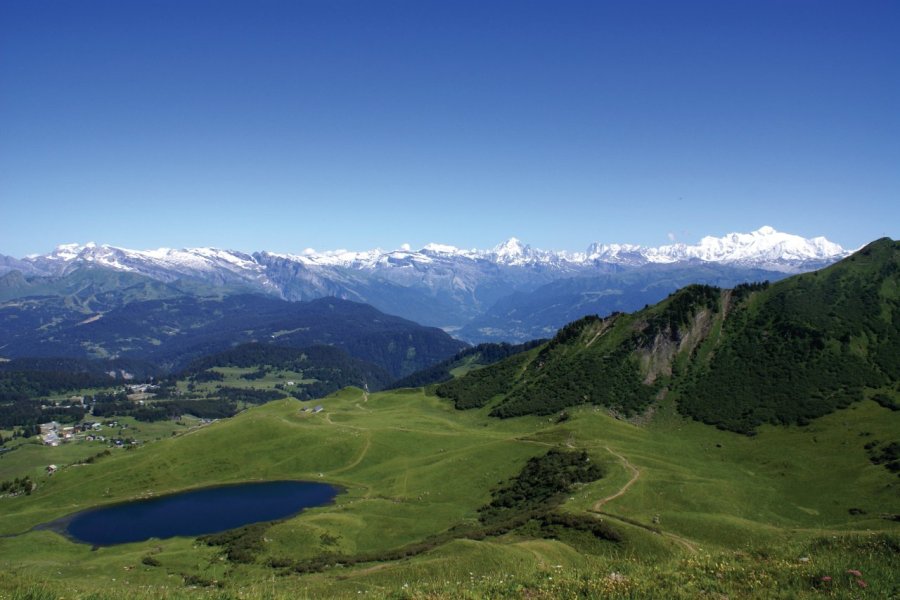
{"type": "Point", "coordinates": [356, 124]}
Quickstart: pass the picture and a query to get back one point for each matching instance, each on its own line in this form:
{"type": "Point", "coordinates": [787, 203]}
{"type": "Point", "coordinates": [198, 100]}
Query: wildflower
{"type": "Point", "coordinates": [826, 578]}
{"type": "Point", "coordinates": [862, 583]}
{"type": "Point", "coordinates": [854, 572]}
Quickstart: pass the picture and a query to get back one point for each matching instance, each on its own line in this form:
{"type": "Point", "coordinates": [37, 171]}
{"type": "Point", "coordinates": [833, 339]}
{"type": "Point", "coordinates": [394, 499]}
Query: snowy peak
{"type": "Point", "coordinates": [441, 249]}
{"type": "Point", "coordinates": [67, 252]}
{"type": "Point", "coordinates": [66, 255]}
{"type": "Point", "coordinates": [512, 252]}
{"type": "Point", "coordinates": [764, 248]}
{"type": "Point", "coordinates": [511, 247]}
{"type": "Point", "coordinates": [163, 264]}
{"type": "Point", "coordinates": [625, 254]}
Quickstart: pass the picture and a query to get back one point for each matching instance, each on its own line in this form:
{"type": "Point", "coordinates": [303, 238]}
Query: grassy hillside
{"type": "Point", "coordinates": [697, 510]}
{"type": "Point", "coordinates": [782, 353]}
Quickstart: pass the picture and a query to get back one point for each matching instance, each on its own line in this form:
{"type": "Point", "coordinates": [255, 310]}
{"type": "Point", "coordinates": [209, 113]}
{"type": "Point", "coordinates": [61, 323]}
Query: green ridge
{"type": "Point", "coordinates": [782, 353]}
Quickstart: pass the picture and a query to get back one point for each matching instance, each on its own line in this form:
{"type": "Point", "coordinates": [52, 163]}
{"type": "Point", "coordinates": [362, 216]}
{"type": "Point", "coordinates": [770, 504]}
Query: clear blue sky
{"type": "Point", "coordinates": [354, 124]}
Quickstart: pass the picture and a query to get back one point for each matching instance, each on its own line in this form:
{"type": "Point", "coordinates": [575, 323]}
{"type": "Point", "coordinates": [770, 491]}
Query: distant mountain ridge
{"type": "Point", "coordinates": [439, 285]}
{"type": "Point", "coordinates": [172, 332]}
{"type": "Point", "coordinates": [763, 248]}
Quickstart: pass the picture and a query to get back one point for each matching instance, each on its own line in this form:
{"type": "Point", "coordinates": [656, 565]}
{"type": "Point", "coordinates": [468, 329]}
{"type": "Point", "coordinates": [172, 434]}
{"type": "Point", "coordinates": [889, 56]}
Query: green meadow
{"type": "Point", "coordinates": [701, 512]}
{"type": "Point", "coordinates": [233, 378]}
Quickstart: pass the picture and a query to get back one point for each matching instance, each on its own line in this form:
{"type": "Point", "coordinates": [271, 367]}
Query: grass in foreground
{"type": "Point", "coordinates": [703, 512]}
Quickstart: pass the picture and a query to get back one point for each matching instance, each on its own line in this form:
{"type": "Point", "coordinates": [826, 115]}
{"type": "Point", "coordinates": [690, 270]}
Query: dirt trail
{"type": "Point", "coordinates": [603, 329]}
{"type": "Point", "coordinates": [635, 475]}
{"type": "Point", "coordinates": [681, 541]}
{"type": "Point", "coordinates": [684, 542]}
{"type": "Point", "coordinates": [594, 339]}
{"type": "Point", "coordinates": [359, 458]}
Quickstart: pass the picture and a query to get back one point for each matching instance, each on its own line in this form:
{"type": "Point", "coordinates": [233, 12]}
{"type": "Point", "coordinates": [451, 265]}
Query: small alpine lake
{"type": "Point", "coordinates": [193, 512]}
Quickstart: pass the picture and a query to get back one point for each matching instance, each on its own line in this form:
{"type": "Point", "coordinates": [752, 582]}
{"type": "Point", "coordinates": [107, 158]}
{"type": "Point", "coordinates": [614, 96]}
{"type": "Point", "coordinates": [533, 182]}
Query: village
{"type": "Point", "coordinates": [53, 433]}
{"type": "Point", "coordinates": [78, 429]}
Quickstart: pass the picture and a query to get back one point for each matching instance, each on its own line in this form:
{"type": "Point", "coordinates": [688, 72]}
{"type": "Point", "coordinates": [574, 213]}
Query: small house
{"type": "Point", "coordinates": [318, 409]}
{"type": "Point", "coordinates": [48, 427]}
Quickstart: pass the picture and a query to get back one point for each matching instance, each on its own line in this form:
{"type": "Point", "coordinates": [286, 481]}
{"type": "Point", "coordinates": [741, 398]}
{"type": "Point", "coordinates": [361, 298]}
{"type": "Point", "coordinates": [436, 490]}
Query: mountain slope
{"type": "Point", "coordinates": [780, 353]}
{"type": "Point", "coordinates": [330, 367]}
{"type": "Point", "coordinates": [804, 347]}
{"type": "Point", "coordinates": [464, 360]}
{"type": "Point", "coordinates": [173, 331]}
{"type": "Point", "coordinates": [541, 312]}
{"type": "Point", "coordinates": [698, 509]}
{"type": "Point", "coordinates": [438, 285]}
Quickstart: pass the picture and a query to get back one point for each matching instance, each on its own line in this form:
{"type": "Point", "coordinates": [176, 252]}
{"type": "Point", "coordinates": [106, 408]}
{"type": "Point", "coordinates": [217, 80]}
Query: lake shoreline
{"type": "Point", "coordinates": [61, 525]}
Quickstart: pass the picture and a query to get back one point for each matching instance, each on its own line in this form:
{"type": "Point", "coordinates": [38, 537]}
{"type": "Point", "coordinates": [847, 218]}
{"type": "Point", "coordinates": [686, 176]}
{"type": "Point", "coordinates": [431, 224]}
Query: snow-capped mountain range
{"type": "Point", "coordinates": [764, 248]}
{"type": "Point", "coordinates": [438, 284]}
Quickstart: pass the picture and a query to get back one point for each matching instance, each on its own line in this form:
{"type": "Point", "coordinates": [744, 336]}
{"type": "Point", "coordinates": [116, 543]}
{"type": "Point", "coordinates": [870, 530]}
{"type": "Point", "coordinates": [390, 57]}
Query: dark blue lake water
{"type": "Point", "coordinates": [197, 512]}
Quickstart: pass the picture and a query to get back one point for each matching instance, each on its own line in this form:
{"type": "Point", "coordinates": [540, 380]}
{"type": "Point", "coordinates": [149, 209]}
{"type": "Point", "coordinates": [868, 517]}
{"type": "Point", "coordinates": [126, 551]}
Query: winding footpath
{"type": "Point", "coordinates": [635, 475]}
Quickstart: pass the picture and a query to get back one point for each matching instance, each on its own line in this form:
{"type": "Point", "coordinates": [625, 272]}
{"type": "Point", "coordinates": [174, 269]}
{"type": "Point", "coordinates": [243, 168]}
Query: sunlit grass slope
{"type": "Point", "coordinates": [699, 509]}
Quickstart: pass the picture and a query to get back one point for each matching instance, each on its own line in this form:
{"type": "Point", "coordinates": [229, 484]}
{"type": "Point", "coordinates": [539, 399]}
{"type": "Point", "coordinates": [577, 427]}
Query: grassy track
{"type": "Point", "coordinates": [634, 477]}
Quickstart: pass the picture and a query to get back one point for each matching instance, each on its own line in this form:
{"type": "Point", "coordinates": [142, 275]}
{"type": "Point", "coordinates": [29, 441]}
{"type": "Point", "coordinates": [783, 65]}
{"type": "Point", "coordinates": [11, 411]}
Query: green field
{"type": "Point", "coordinates": [233, 378]}
{"type": "Point", "coordinates": [701, 511]}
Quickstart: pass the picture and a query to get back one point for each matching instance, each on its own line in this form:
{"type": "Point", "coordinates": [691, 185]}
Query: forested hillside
{"type": "Point", "coordinates": [476, 356]}
{"type": "Point", "coordinates": [171, 332]}
{"type": "Point", "coordinates": [781, 353]}
{"type": "Point", "coordinates": [803, 347]}
{"type": "Point", "coordinates": [331, 367]}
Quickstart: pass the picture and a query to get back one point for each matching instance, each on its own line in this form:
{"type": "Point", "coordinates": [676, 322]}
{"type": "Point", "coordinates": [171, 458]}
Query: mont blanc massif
{"type": "Point", "coordinates": [511, 292]}
{"type": "Point", "coordinates": [717, 420]}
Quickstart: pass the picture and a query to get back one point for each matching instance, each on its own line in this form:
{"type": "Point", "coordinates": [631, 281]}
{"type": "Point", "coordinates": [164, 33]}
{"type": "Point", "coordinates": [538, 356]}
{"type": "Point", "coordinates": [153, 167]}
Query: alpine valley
{"type": "Point", "coordinates": [736, 440]}
{"type": "Point", "coordinates": [511, 293]}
